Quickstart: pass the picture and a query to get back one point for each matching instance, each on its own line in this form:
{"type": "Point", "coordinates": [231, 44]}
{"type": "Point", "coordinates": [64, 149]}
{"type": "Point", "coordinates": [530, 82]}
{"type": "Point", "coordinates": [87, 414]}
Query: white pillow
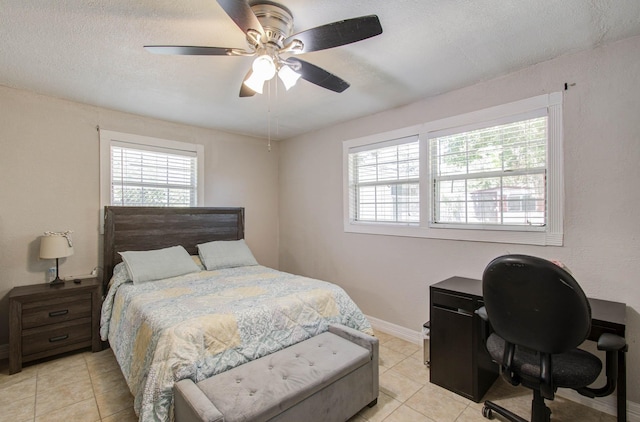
{"type": "Point", "coordinates": [158, 264]}
{"type": "Point", "coordinates": [226, 254]}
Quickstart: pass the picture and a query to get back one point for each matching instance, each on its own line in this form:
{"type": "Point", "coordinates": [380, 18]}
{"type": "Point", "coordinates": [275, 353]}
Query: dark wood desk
{"type": "Point", "coordinates": [459, 359]}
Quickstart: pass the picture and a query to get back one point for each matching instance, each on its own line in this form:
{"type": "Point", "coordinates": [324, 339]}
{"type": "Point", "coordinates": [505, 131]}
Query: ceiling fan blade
{"type": "Point", "coordinates": [319, 76]}
{"type": "Point", "coordinates": [240, 12]}
{"type": "Point", "coordinates": [245, 91]}
{"type": "Point", "coordinates": [337, 33]}
{"type": "Point", "coordinates": [188, 50]}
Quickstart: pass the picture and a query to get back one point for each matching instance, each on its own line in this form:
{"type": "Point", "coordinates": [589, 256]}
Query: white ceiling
{"type": "Point", "coordinates": [90, 51]}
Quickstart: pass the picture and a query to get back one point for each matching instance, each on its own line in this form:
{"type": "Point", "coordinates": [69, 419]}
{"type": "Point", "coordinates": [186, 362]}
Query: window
{"type": "Point", "coordinates": [492, 175]}
{"type": "Point", "coordinates": [143, 171]}
{"type": "Point", "coordinates": [383, 182]}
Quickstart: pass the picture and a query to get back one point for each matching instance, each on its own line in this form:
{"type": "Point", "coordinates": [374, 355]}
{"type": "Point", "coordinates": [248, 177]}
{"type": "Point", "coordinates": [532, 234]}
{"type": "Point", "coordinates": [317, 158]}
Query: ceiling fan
{"type": "Point", "coordinates": [268, 27]}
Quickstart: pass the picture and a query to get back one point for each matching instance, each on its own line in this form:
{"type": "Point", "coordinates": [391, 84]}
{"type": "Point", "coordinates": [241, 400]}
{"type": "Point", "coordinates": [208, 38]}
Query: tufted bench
{"type": "Point", "coordinates": [326, 378]}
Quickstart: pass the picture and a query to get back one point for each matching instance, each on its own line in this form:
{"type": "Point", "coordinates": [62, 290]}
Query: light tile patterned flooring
{"type": "Point", "coordinates": [89, 387]}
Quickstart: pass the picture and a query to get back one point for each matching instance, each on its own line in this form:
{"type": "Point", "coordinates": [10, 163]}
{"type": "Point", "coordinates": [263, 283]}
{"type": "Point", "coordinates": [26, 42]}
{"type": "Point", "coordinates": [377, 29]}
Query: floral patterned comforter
{"type": "Point", "coordinates": [201, 324]}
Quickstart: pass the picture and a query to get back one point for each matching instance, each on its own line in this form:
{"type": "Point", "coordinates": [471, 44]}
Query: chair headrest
{"type": "Point", "coordinates": [535, 303]}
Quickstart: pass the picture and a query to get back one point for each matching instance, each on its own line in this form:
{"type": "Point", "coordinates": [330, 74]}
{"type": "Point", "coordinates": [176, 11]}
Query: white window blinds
{"type": "Point", "coordinates": [384, 182]}
{"type": "Point", "coordinates": [492, 175]}
{"type": "Point", "coordinates": [150, 176]}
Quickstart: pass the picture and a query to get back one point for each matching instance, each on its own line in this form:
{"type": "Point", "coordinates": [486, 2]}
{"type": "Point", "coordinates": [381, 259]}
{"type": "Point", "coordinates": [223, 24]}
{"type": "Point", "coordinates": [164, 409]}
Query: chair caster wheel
{"type": "Point", "coordinates": [487, 413]}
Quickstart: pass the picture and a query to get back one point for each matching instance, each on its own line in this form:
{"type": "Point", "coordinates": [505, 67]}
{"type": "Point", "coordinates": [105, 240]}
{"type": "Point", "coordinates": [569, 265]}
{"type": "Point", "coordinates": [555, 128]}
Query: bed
{"type": "Point", "coordinates": [204, 322]}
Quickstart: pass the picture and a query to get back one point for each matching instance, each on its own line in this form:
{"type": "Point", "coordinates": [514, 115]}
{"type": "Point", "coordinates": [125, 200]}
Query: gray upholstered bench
{"type": "Point", "coordinates": [326, 378]}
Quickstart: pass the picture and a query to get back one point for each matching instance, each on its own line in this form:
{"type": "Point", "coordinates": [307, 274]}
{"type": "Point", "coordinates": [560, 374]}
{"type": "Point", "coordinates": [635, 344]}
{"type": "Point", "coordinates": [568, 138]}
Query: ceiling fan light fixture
{"type": "Point", "coordinates": [288, 76]}
{"type": "Point", "coordinates": [255, 82]}
{"type": "Point", "coordinates": [264, 67]}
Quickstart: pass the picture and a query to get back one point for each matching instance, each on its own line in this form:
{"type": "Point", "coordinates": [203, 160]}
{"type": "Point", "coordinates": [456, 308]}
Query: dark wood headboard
{"type": "Point", "coordinates": [147, 228]}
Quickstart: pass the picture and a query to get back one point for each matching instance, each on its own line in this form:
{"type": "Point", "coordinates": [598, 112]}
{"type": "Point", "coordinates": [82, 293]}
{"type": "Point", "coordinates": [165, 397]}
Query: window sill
{"type": "Point", "coordinates": [538, 238]}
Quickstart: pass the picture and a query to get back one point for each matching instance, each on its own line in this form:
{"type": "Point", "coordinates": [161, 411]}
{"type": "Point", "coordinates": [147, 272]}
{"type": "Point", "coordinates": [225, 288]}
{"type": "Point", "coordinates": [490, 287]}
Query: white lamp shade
{"type": "Point", "coordinates": [264, 67]}
{"type": "Point", "coordinates": [288, 76]}
{"type": "Point", "coordinates": [255, 82]}
{"type": "Point", "coordinates": [54, 246]}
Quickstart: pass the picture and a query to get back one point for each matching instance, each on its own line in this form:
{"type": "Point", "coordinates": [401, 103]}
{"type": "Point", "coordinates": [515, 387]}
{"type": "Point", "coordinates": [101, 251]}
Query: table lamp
{"type": "Point", "coordinates": [56, 245]}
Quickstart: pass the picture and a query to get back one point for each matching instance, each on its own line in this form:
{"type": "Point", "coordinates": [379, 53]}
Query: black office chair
{"type": "Point", "coordinates": [539, 315]}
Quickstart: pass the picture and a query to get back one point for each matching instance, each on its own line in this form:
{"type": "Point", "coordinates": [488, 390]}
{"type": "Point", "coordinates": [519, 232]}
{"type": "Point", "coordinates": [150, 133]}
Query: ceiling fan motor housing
{"type": "Point", "coordinates": [276, 20]}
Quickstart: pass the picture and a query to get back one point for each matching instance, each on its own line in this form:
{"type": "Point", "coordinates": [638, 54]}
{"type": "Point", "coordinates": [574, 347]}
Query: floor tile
{"type": "Point", "coordinates": [413, 369]}
{"type": "Point", "coordinates": [564, 410]}
{"type": "Point", "coordinates": [57, 397]}
{"type": "Point", "coordinates": [357, 418]}
{"type": "Point", "coordinates": [437, 406]}
{"type": "Point", "coordinates": [406, 414]}
{"type": "Point", "coordinates": [56, 376]}
{"type": "Point", "coordinates": [398, 386]}
{"type": "Point", "coordinates": [402, 346]}
{"type": "Point", "coordinates": [382, 336]}
{"type": "Point", "coordinates": [66, 363]}
{"type": "Point", "coordinates": [6, 379]}
{"type": "Point", "coordinates": [386, 405]}
{"type": "Point", "coordinates": [127, 415]}
{"type": "Point", "coordinates": [86, 387]}
{"type": "Point", "coordinates": [113, 401]}
{"type": "Point", "coordinates": [607, 418]}
{"type": "Point", "coordinates": [389, 357]}
{"type": "Point", "coordinates": [106, 381]}
{"type": "Point", "coordinates": [430, 388]}
{"type": "Point", "coordinates": [471, 414]}
{"type": "Point", "coordinates": [17, 391]}
{"type": "Point", "coordinates": [102, 362]}
{"type": "Point", "coordinates": [418, 355]}
{"type": "Point", "coordinates": [84, 411]}
{"type": "Point", "coordinates": [19, 410]}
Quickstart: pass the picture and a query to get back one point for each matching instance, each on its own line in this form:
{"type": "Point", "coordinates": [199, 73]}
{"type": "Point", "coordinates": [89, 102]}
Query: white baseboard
{"type": "Point", "coordinates": [396, 330]}
{"type": "Point", "coordinates": [603, 404]}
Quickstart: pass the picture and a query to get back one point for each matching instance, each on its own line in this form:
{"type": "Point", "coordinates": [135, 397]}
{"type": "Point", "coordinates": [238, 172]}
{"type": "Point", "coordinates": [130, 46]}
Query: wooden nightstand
{"type": "Point", "coordinates": [45, 321]}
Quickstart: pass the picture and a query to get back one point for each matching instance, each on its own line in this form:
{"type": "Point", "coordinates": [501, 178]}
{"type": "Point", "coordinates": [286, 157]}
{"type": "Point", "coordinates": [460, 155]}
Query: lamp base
{"type": "Point", "coordinates": [56, 282]}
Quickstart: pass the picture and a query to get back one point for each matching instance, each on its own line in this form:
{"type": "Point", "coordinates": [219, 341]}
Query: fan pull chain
{"type": "Point", "coordinates": [277, 111]}
{"type": "Point", "coordinates": [269, 117]}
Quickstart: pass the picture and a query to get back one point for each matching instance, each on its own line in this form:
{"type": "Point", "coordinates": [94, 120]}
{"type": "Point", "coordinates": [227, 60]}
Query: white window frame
{"type": "Point", "coordinates": [109, 138]}
{"type": "Point", "coordinates": [551, 235]}
{"type": "Point", "coordinates": [354, 184]}
{"type": "Point", "coordinates": [541, 112]}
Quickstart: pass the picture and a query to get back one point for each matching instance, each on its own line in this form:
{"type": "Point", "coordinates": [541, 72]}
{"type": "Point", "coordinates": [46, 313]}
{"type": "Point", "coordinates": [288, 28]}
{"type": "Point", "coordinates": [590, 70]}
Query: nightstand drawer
{"type": "Point", "coordinates": [56, 310]}
{"type": "Point", "coordinates": [39, 339]}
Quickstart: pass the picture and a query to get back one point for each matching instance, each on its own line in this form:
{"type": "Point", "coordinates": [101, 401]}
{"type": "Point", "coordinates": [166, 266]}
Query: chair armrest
{"type": "Point", "coordinates": [611, 343]}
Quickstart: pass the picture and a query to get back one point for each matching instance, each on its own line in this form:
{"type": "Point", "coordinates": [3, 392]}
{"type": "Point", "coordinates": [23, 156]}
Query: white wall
{"type": "Point", "coordinates": [389, 277]}
{"type": "Point", "coordinates": [49, 180]}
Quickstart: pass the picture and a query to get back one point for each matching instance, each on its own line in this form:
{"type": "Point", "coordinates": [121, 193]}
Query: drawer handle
{"type": "Point", "coordinates": [59, 338]}
{"type": "Point", "coordinates": [58, 313]}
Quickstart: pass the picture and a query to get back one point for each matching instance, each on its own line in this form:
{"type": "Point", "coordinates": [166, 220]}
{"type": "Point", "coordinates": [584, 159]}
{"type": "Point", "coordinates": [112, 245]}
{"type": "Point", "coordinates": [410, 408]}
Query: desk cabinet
{"type": "Point", "coordinates": [48, 320]}
{"type": "Point", "coordinates": [459, 359]}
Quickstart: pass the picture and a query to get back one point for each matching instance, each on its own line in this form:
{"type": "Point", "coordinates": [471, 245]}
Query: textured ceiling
{"type": "Point", "coordinates": [90, 51]}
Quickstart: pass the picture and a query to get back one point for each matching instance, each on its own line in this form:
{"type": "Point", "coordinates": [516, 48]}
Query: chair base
{"type": "Point", "coordinates": [539, 411]}
{"type": "Point", "coordinates": [490, 407]}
